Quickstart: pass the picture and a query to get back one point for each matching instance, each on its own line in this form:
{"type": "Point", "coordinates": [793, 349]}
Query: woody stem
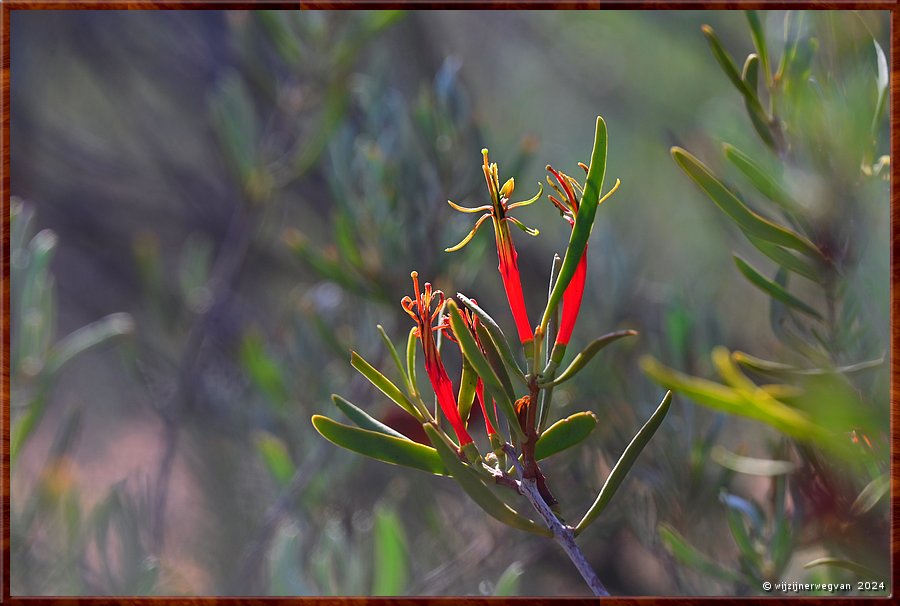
{"type": "Point", "coordinates": [562, 534]}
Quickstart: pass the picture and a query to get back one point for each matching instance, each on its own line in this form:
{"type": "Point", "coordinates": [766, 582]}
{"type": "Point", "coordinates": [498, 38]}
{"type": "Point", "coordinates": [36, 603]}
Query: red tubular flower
{"type": "Point", "coordinates": [506, 252]}
{"type": "Point", "coordinates": [420, 311]}
{"type": "Point", "coordinates": [575, 291]}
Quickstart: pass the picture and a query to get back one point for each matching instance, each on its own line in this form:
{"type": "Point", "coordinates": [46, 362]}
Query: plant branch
{"type": "Point", "coordinates": [562, 534]}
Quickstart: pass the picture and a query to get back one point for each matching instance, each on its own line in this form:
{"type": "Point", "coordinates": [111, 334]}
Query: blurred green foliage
{"type": "Point", "coordinates": [253, 189]}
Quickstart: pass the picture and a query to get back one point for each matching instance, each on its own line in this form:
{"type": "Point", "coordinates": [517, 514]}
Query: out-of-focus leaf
{"type": "Point", "coordinates": [234, 117]}
{"type": "Point", "coordinates": [564, 434]}
{"type": "Point", "coordinates": [478, 361]}
{"type": "Point", "coordinates": [759, 41]}
{"type": "Point", "coordinates": [390, 572]}
{"type": "Point", "coordinates": [751, 465]}
{"type": "Point", "coordinates": [871, 494]}
{"type": "Point", "coordinates": [362, 418]}
{"type": "Point", "coordinates": [623, 465]}
{"type": "Point", "coordinates": [750, 73]}
{"type": "Point", "coordinates": [380, 446]}
{"type": "Point", "coordinates": [383, 383]}
{"type": "Point", "coordinates": [584, 219]}
{"type": "Point", "coordinates": [496, 335]}
{"type": "Point", "coordinates": [881, 87]}
{"type": "Point", "coordinates": [262, 369]}
{"type": "Point", "coordinates": [589, 352]}
{"type": "Point", "coordinates": [760, 179]}
{"type": "Point", "coordinates": [772, 289]}
{"type": "Point", "coordinates": [508, 583]}
{"type": "Point", "coordinates": [276, 457]}
{"type": "Point", "coordinates": [786, 259]}
{"type": "Point", "coordinates": [87, 337]}
{"type": "Point", "coordinates": [780, 370]}
{"type": "Point", "coordinates": [473, 486]}
{"type": "Point", "coordinates": [750, 222]}
{"type": "Point", "coordinates": [757, 405]}
{"type": "Point", "coordinates": [689, 556]}
{"type": "Point", "coordinates": [751, 559]}
{"type": "Point", "coordinates": [725, 61]}
{"type": "Point", "coordinates": [280, 33]}
{"type": "Point", "coordinates": [862, 571]}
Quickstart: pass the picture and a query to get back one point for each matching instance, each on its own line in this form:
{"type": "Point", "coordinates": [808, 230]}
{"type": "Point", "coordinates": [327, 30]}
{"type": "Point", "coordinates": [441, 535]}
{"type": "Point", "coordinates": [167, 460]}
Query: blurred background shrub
{"type": "Point", "coordinates": [253, 188]}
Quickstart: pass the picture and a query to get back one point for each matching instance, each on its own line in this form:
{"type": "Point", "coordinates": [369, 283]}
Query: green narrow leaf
{"type": "Point", "coordinates": [589, 352]}
{"type": "Point", "coordinates": [497, 336]}
{"type": "Point", "coordinates": [380, 446]}
{"type": "Point", "coordinates": [724, 59]}
{"type": "Point", "coordinates": [623, 465]}
{"type": "Point", "coordinates": [564, 434]}
{"type": "Point", "coordinates": [780, 370]}
{"type": "Point", "coordinates": [383, 383]}
{"type": "Point", "coordinates": [276, 457]}
{"type": "Point", "coordinates": [390, 566]}
{"type": "Point", "coordinates": [584, 219]}
{"type": "Point", "coordinates": [396, 357]}
{"type": "Point", "coordinates": [758, 177]}
{"type": "Point", "coordinates": [508, 583]}
{"type": "Point", "coordinates": [411, 361]}
{"type": "Point", "coordinates": [750, 222]}
{"type": "Point", "coordinates": [494, 359]}
{"type": "Point", "coordinates": [481, 365]}
{"type": "Point", "coordinates": [467, 383]}
{"type": "Point", "coordinates": [786, 259]}
{"type": "Point", "coordinates": [772, 289]}
{"type": "Point", "coordinates": [473, 486]}
{"type": "Point", "coordinates": [759, 42]}
{"type": "Point", "coordinates": [689, 556]}
{"type": "Point", "coordinates": [362, 418]}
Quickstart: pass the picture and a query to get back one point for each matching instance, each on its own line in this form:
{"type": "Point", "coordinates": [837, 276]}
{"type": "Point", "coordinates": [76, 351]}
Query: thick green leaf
{"type": "Point", "coordinates": [383, 383]}
{"type": "Point", "coordinates": [276, 457]}
{"type": "Point", "coordinates": [589, 352]}
{"type": "Point", "coordinates": [773, 289]}
{"type": "Point", "coordinates": [750, 222]}
{"type": "Point", "coordinates": [494, 359]}
{"type": "Point", "coordinates": [380, 446]}
{"type": "Point", "coordinates": [473, 486]}
{"type": "Point", "coordinates": [362, 418]}
{"type": "Point", "coordinates": [390, 572]}
{"type": "Point", "coordinates": [481, 365]}
{"type": "Point", "coordinates": [411, 349]}
{"type": "Point", "coordinates": [564, 434]}
{"type": "Point", "coordinates": [725, 61]}
{"type": "Point", "coordinates": [584, 220]}
{"type": "Point", "coordinates": [760, 179]}
{"type": "Point", "coordinates": [496, 335]}
{"type": "Point", "coordinates": [759, 41]}
{"type": "Point", "coordinates": [689, 556]}
{"type": "Point", "coordinates": [623, 465]}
